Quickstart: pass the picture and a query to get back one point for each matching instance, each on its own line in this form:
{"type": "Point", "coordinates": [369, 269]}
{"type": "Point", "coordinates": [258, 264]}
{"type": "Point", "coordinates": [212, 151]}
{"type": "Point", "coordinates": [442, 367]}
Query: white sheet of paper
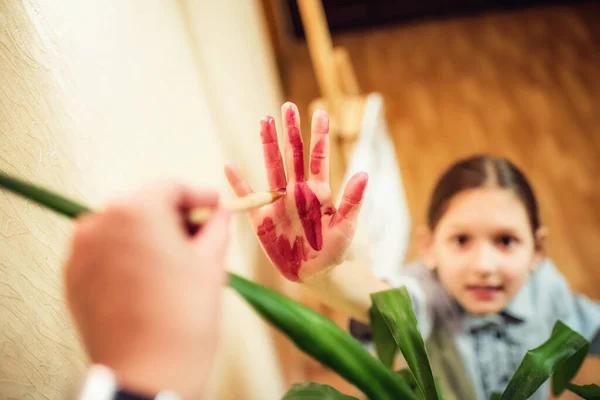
{"type": "Point", "coordinates": [384, 224]}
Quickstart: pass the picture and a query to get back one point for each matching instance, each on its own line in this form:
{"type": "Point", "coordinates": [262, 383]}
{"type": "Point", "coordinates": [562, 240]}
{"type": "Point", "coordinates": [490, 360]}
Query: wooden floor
{"type": "Point", "coordinates": [522, 84]}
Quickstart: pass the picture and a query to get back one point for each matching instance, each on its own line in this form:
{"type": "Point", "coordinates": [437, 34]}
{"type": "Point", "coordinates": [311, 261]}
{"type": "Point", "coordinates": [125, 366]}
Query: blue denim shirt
{"type": "Point", "coordinates": [492, 347]}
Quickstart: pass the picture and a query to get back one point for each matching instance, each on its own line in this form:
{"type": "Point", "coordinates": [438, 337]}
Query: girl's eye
{"type": "Point", "coordinates": [461, 240]}
{"type": "Point", "coordinates": [507, 240]}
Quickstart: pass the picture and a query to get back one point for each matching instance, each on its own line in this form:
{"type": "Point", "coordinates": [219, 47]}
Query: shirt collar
{"type": "Point", "coordinates": [521, 306]}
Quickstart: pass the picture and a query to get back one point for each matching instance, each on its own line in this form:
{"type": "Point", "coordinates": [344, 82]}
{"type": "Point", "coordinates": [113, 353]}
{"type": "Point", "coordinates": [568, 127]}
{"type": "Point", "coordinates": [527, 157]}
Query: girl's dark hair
{"type": "Point", "coordinates": [481, 171]}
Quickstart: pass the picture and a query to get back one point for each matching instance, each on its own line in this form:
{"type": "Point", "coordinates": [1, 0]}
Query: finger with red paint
{"type": "Point", "coordinates": [319, 145]}
{"type": "Point", "coordinates": [293, 146]}
{"type": "Point", "coordinates": [272, 156]}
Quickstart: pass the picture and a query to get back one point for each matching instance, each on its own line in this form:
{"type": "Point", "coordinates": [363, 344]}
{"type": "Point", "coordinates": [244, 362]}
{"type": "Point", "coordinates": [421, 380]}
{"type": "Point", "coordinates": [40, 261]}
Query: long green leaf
{"type": "Point", "coordinates": [385, 346]}
{"type": "Point", "coordinates": [563, 349]}
{"type": "Point", "coordinates": [567, 370]}
{"type": "Point", "coordinates": [43, 196]}
{"type": "Point", "coordinates": [395, 306]}
{"type": "Point", "coordinates": [309, 330]}
{"type": "Point", "coordinates": [314, 391]}
{"type": "Point", "coordinates": [438, 387]}
{"type": "Point", "coordinates": [324, 340]}
{"type": "Point", "coordinates": [588, 392]}
{"type": "Point", "coordinates": [409, 378]}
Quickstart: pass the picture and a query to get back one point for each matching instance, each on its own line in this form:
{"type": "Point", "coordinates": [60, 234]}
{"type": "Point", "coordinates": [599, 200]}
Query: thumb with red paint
{"type": "Point", "coordinates": [346, 217]}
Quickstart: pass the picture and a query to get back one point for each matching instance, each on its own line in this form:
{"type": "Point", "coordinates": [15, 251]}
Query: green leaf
{"type": "Point", "coordinates": [561, 353]}
{"type": "Point", "coordinates": [323, 340]}
{"type": "Point", "coordinates": [496, 396]}
{"type": "Point", "coordinates": [588, 392]}
{"type": "Point", "coordinates": [309, 330]}
{"type": "Point", "coordinates": [395, 307]}
{"type": "Point", "coordinates": [408, 377]}
{"type": "Point", "coordinates": [567, 370]}
{"type": "Point", "coordinates": [314, 391]}
{"type": "Point", "coordinates": [438, 386]}
{"type": "Point", "coordinates": [43, 196]}
{"type": "Point", "coordinates": [385, 346]}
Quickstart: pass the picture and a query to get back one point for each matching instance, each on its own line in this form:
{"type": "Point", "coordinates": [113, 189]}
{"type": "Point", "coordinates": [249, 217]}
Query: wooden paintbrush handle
{"type": "Point", "coordinates": [200, 215]}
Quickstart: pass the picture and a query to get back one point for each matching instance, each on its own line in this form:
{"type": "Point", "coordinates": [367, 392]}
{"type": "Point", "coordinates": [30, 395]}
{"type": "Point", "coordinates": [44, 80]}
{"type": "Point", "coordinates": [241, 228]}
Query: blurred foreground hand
{"type": "Point", "coordinates": [144, 289]}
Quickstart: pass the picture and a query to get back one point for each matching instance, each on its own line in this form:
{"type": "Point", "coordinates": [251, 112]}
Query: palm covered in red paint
{"type": "Point", "coordinates": [302, 233]}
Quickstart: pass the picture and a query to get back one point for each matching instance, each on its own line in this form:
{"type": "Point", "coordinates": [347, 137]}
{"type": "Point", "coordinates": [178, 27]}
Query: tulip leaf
{"type": "Point", "coordinates": [314, 391]}
{"type": "Point", "coordinates": [588, 392]}
{"type": "Point", "coordinates": [562, 355]}
{"type": "Point", "coordinates": [395, 308]}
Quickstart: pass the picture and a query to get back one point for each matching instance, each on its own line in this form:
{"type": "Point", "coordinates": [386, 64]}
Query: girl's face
{"type": "Point", "coordinates": [483, 249]}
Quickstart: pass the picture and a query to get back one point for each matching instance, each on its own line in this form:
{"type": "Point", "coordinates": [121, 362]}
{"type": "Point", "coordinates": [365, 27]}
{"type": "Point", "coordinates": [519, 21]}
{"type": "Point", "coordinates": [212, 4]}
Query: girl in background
{"type": "Point", "coordinates": [482, 290]}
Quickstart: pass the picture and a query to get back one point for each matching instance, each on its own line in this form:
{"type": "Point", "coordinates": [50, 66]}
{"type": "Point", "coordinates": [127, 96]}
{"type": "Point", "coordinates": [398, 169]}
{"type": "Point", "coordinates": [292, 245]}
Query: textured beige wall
{"type": "Point", "coordinates": [98, 96]}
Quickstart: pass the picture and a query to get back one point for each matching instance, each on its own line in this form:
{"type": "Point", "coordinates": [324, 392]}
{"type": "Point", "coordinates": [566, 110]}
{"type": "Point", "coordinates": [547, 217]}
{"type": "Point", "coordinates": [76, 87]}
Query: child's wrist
{"type": "Point", "coordinates": [318, 278]}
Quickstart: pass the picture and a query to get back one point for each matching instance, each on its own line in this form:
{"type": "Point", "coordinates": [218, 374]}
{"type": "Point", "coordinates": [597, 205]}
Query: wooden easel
{"type": "Point", "coordinates": [337, 81]}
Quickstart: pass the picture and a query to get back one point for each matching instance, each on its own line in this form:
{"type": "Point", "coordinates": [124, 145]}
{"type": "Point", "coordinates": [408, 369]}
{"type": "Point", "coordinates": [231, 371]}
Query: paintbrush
{"type": "Point", "coordinates": [198, 216]}
{"type": "Point", "coordinates": [67, 207]}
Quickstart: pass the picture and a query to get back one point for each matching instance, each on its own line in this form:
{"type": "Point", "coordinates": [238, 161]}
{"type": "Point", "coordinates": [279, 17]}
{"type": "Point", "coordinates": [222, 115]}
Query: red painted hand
{"type": "Point", "coordinates": [302, 233]}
